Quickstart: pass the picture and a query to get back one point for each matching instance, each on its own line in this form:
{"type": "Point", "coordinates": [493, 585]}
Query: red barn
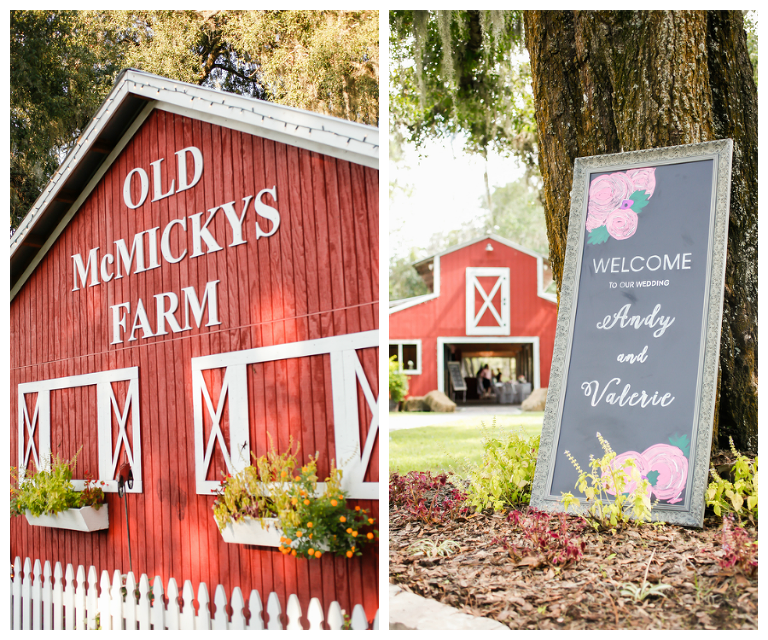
{"type": "Point", "coordinates": [200, 275]}
{"type": "Point", "coordinates": [488, 299]}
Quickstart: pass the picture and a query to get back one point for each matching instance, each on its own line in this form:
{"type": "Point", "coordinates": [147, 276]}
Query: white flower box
{"type": "Point", "coordinates": [83, 519]}
{"type": "Point", "coordinates": [250, 531]}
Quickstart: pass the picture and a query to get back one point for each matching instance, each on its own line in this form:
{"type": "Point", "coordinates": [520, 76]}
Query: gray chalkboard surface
{"type": "Point", "coordinates": [638, 333]}
{"type": "Point", "coordinates": [457, 381]}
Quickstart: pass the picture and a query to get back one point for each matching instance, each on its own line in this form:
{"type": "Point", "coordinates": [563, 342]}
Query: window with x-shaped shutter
{"type": "Point", "coordinates": [487, 301]}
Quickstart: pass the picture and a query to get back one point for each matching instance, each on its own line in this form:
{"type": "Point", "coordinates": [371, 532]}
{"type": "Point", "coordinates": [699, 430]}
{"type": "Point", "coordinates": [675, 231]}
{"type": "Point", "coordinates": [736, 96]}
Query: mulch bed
{"type": "Point", "coordinates": [484, 579]}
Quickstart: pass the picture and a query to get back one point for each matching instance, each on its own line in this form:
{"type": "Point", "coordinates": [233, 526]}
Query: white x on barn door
{"type": "Point", "coordinates": [487, 301]}
{"type": "Point", "coordinates": [346, 374]}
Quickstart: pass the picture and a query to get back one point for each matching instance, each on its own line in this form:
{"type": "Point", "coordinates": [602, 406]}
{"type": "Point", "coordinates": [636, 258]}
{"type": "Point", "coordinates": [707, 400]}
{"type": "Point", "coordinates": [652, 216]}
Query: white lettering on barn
{"type": "Point", "coordinates": [152, 247]}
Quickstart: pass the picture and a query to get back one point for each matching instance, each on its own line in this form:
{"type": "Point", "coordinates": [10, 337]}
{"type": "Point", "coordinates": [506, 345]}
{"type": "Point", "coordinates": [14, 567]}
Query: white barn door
{"type": "Point", "coordinates": [487, 301]}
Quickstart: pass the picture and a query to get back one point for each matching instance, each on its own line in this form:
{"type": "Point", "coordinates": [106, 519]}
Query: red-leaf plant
{"type": "Point", "coordinates": [426, 497]}
{"type": "Point", "coordinates": [739, 548]}
{"type": "Point", "coordinates": [558, 545]}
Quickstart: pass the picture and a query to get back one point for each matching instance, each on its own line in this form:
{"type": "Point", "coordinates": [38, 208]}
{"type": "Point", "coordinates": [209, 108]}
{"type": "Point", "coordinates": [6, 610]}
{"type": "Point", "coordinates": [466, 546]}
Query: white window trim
{"type": "Point", "coordinates": [352, 456]}
{"type": "Point", "coordinates": [502, 314]}
{"type": "Point", "coordinates": [400, 343]}
{"type": "Point", "coordinates": [106, 407]}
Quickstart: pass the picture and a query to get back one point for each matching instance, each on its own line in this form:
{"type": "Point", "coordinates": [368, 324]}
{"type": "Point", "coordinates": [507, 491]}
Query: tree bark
{"type": "Point", "coordinates": [612, 81]}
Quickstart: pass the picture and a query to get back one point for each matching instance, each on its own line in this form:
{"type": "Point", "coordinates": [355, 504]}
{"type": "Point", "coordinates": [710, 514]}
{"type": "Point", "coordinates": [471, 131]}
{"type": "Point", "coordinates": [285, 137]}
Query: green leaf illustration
{"type": "Point", "coordinates": [598, 236]}
{"type": "Point", "coordinates": [682, 442]}
{"type": "Point", "coordinates": [640, 199]}
{"type": "Point", "coordinates": [652, 477]}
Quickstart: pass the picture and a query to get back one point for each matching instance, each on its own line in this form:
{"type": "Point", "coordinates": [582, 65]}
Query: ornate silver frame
{"type": "Point", "coordinates": [691, 513]}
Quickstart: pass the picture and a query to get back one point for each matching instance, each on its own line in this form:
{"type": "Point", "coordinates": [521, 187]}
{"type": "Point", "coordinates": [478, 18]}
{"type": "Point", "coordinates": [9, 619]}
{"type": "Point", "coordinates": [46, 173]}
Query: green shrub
{"type": "Point", "coordinates": [605, 487]}
{"type": "Point", "coordinates": [398, 381]}
{"type": "Point", "coordinates": [738, 497]}
{"type": "Point", "coordinates": [505, 476]}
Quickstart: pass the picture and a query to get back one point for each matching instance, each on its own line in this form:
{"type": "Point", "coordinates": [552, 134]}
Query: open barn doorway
{"type": "Point", "coordinates": [513, 363]}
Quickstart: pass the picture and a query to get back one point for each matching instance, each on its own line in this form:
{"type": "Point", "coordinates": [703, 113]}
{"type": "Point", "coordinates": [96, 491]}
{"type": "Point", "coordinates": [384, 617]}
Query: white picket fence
{"type": "Point", "coordinates": [41, 600]}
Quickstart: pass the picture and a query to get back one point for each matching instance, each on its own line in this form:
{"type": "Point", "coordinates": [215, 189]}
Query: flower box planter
{"type": "Point", "coordinates": [250, 531]}
{"type": "Point", "coordinates": [83, 519]}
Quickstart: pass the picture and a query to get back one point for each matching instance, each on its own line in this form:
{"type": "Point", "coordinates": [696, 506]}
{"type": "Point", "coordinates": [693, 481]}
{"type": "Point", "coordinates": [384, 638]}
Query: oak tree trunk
{"type": "Point", "coordinates": [612, 81]}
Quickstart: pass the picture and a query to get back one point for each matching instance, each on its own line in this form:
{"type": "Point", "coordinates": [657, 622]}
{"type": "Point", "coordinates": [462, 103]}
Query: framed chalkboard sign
{"type": "Point", "coordinates": [457, 380]}
{"type": "Point", "coordinates": [638, 331]}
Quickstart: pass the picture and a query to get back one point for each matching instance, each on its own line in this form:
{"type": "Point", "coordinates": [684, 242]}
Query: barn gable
{"type": "Point", "coordinates": [489, 295]}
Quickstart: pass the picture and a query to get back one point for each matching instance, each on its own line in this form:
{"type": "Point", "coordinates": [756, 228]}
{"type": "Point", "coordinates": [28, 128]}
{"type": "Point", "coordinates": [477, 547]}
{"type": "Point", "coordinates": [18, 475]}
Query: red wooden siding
{"type": "Point", "coordinates": [316, 277]}
{"type": "Point", "coordinates": [445, 316]}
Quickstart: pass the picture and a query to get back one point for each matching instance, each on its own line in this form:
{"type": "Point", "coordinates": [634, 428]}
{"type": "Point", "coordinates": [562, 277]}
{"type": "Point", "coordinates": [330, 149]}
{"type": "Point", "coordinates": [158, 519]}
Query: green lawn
{"type": "Point", "coordinates": [451, 446]}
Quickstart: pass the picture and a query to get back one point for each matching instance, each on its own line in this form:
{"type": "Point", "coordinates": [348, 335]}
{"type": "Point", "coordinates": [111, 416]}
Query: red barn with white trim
{"type": "Point", "coordinates": [488, 299]}
{"type": "Point", "coordinates": [199, 276]}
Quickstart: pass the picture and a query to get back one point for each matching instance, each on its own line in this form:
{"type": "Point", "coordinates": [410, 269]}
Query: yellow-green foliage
{"type": "Point", "coordinates": [606, 511]}
{"type": "Point", "coordinates": [246, 494]}
{"type": "Point", "coordinates": [398, 381]}
{"type": "Point", "coordinates": [274, 487]}
{"type": "Point", "coordinates": [50, 491]}
{"type": "Point", "coordinates": [505, 475]}
{"type": "Point", "coordinates": [738, 497]}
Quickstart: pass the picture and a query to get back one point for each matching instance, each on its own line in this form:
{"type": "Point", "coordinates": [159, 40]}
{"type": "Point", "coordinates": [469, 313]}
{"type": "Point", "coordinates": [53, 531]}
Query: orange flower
{"type": "Point", "coordinates": [349, 554]}
{"type": "Point", "coordinates": [342, 519]}
{"type": "Point", "coordinates": [370, 536]}
{"type": "Point", "coordinates": [293, 552]}
{"type": "Point", "coordinates": [309, 524]}
{"type": "Point", "coordinates": [311, 551]}
{"type": "Point", "coordinates": [299, 534]}
{"type": "Point", "coordinates": [306, 502]}
{"type": "Point", "coordinates": [349, 530]}
{"type": "Point", "coordinates": [354, 534]}
{"type": "Point", "coordinates": [310, 536]}
{"type": "Point", "coordinates": [317, 554]}
{"type": "Point", "coordinates": [303, 469]}
{"type": "Point", "coordinates": [341, 497]}
{"type": "Point", "coordinates": [370, 520]}
{"type": "Point", "coordinates": [353, 548]}
{"type": "Point", "coordinates": [334, 503]}
{"type": "Point", "coordinates": [284, 474]}
{"type": "Point", "coordinates": [294, 501]}
{"type": "Point", "coordinates": [297, 478]}
{"type": "Point", "coordinates": [357, 508]}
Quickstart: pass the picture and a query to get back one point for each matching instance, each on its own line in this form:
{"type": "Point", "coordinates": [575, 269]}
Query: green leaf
{"type": "Point", "coordinates": [640, 199]}
{"type": "Point", "coordinates": [682, 442]}
{"type": "Point", "coordinates": [598, 236]}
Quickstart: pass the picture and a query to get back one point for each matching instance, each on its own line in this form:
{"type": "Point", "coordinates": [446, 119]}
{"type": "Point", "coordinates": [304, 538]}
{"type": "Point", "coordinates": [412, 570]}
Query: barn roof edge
{"type": "Point", "coordinates": [134, 95]}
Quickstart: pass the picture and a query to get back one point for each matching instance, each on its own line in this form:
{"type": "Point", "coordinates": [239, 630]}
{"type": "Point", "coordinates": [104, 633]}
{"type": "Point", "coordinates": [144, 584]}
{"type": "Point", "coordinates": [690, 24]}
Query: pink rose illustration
{"type": "Point", "coordinates": [593, 222]}
{"type": "Point", "coordinates": [643, 180]}
{"type": "Point", "coordinates": [621, 223]}
{"type": "Point", "coordinates": [663, 464]}
{"type": "Point", "coordinates": [672, 467]}
{"type": "Point", "coordinates": [618, 463]}
{"type": "Point", "coordinates": [606, 193]}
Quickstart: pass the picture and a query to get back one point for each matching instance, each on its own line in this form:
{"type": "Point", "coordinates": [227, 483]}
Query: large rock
{"type": "Point", "coordinates": [536, 401]}
{"type": "Point", "coordinates": [438, 401]}
{"type": "Point", "coordinates": [415, 403]}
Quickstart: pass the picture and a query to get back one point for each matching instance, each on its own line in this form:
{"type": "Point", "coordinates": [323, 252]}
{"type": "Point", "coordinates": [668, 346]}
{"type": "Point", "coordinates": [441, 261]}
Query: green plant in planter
{"type": "Point", "coordinates": [247, 494]}
{"type": "Point", "coordinates": [398, 381]}
{"type": "Point", "coordinates": [50, 491]}
{"type": "Point", "coordinates": [312, 524]}
{"type": "Point", "coordinates": [315, 524]}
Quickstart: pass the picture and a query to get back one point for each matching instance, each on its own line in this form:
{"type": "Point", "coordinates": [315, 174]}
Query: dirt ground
{"type": "Point", "coordinates": [483, 577]}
